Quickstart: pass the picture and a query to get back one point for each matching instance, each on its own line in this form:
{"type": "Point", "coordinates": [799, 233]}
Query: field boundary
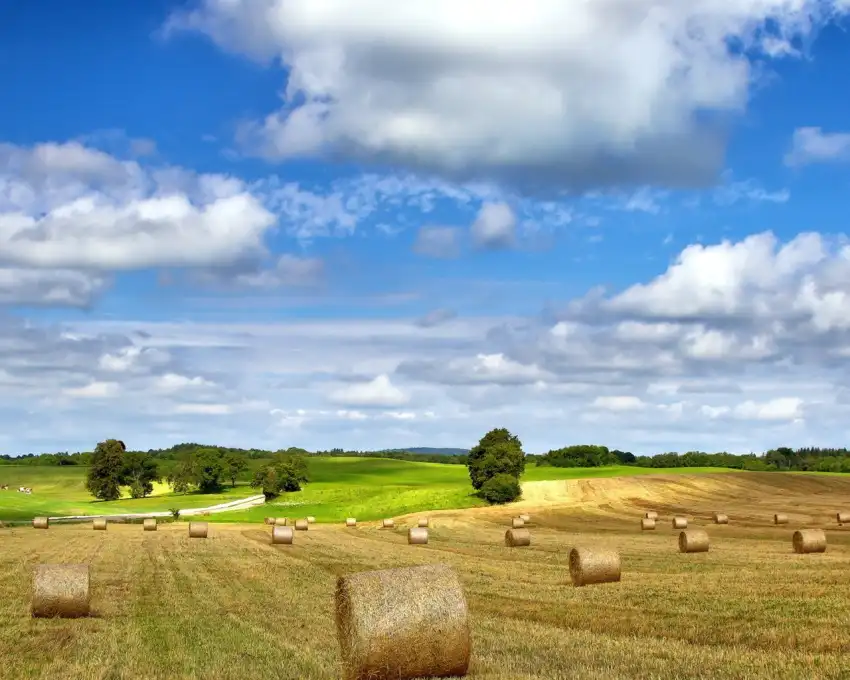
{"type": "Point", "coordinates": [240, 504]}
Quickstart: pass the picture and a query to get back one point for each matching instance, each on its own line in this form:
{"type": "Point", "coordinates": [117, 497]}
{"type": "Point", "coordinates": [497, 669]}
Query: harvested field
{"type": "Point", "coordinates": [165, 605]}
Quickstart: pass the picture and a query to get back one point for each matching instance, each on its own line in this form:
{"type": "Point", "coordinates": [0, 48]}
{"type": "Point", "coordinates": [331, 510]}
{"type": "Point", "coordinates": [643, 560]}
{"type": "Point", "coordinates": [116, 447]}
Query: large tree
{"type": "Point", "coordinates": [285, 473]}
{"type": "Point", "coordinates": [106, 474]}
{"type": "Point", "coordinates": [234, 463]}
{"type": "Point", "coordinates": [140, 472]}
{"type": "Point", "coordinates": [498, 452]}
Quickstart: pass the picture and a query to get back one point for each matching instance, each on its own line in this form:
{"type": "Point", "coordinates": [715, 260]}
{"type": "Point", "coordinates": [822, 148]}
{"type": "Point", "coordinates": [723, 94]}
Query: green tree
{"type": "Point", "coordinates": [234, 463]}
{"type": "Point", "coordinates": [498, 452]}
{"type": "Point", "coordinates": [208, 469]}
{"type": "Point", "coordinates": [502, 488]}
{"type": "Point", "coordinates": [140, 472]}
{"type": "Point", "coordinates": [284, 474]}
{"type": "Point", "coordinates": [105, 475]}
{"type": "Point", "coordinates": [181, 477]}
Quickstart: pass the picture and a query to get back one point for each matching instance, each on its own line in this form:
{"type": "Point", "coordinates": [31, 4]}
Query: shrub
{"type": "Point", "coordinates": [502, 488]}
{"type": "Point", "coordinates": [175, 512]}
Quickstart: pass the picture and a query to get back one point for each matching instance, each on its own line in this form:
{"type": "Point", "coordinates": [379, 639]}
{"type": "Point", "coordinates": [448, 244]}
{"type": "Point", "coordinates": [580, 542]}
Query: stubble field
{"type": "Point", "coordinates": [234, 606]}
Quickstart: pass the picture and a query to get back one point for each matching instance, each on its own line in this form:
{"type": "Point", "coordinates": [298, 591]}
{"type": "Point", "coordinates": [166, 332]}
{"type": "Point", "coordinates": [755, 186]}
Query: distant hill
{"type": "Point", "coordinates": [437, 451]}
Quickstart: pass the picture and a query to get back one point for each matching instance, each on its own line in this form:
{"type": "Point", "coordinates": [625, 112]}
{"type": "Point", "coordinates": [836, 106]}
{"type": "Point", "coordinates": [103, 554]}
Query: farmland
{"type": "Point", "coordinates": [166, 606]}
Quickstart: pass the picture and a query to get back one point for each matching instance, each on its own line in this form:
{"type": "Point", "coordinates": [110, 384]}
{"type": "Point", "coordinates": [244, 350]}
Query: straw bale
{"type": "Point", "coordinates": [61, 590]}
{"type": "Point", "coordinates": [150, 524]}
{"type": "Point", "coordinates": [301, 525]}
{"type": "Point", "coordinates": [423, 522]}
{"type": "Point", "coordinates": [651, 514]}
{"type": "Point", "coordinates": [198, 529]}
{"type": "Point", "coordinates": [525, 518]}
{"type": "Point", "coordinates": [599, 565]}
{"type": "Point", "coordinates": [269, 520]}
{"type": "Point", "coordinates": [282, 535]}
{"type": "Point", "coordinates": [40, 522]}
{"type": "Point", "coordinates": [311, 519]}
{"type": "Point", "coordinates": [720, 518]}
{"type": "Point", "coordinates": [388, 524]}
{"type": "Point", "coordinates": [515, 538]}
{"type": "Point", "coordinates": [693, 540]}
{"type": "Point", "coordinates": [843, 517]}
{"type": "Point", "coordinates": [417, 536]}
{"type": "Point", "coordinates": [680, 523]}
{"type": "Point", "coordinates": [281, 521]}
{"type": "Point", "coordinates": [647, 524]}
{"type": "Point", "coordinates": [404, 623]}
{"type": "Point", "coordinates": [351, 522]}
{"type": "Point", "coordinates": [99, 524]}
{"type": "Point", "coordinates": [517, 523]}
{"type": "Point", "coordinates": [809, 541]}
{"type": "Point", "coordinates": [780, 518]}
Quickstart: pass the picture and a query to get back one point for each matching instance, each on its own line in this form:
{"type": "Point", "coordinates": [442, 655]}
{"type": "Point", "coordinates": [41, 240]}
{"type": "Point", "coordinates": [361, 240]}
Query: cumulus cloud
{"type": "Point", "coordinates": [377, 392]}
{"type": "Point", "coordinates": [494, 227]}
{"type": "Point", "coordinates": [572, 94]}
{"type": "Point", "coordinates": [813, 145]}
{"type": "Point", "coordinates": [56, 287]}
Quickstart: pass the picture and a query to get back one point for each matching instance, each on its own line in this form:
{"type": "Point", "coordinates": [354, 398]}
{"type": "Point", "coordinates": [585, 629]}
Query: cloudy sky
{"type": "Point", "coordinates": [381, 224]}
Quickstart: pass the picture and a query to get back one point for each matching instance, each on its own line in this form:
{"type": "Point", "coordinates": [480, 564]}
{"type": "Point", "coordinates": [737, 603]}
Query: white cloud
{"type": "Point", "coordinates": [377, 392]}
{"type": "Point", "coordinates": [813, 145]}
{"type": "Point", "coordinates": [619, 403]}
{"type": "Point", "coordinates": [494, 227]}
{"type": "Point", "coordinates": [94, 390]}
{"type": "Point", "coordinates": [442, 242]}
{"type": "Point", "coordinates": [204, 409]}
{"type": "Point", "coordinates": [55, 287]}
{"type": "Point", "coordinates": [572, 93]}
{"type": "Point", "coordinates": [783, 408]}
{"type": "Point", "coordinates": [174, 382]}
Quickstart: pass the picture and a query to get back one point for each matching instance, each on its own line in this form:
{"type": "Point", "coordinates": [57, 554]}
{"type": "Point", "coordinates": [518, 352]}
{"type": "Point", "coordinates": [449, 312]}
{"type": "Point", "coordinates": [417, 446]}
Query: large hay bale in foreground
{"type": "Point", "coordinates": [281, 521]}
{"type": "Point", "coordinates": [150, 524]}
{"type": "Point", "coordinates": [417, 536]}
{"type": "Point", "coordinates": [301, 525]}
{"type": "Point", "coordinates": [99, 524]}
{"type": "Point", "coordinates": [198, 529]}
{"type": "Point", "coordinates": [720, 518]}
{"type": "Point", "coordinates": [423, 522]}
{"type": "Point", "coordinates": [517, 538]}
{"type": "Point", "coordinates": [40, 523]}
{"type": "Point", "coordinates": [809, 541]}
{"type": "Point", "coordinates": [311, 519]}
{"type": "Point", "coordinates": [843, 517]}
{"type": "Point", "coordinates": [647, 524]}
{"type": "Point", "coordinates": [388, 524]}
{"type": "Point", "coordinates": [282, 535]}
{"type": "Point", "coordinates": [693, 541]}
{"type": "Point", "coordinates": [398, 624]}
{"type": "Point", "coordinates": [780, 518]}
{"type": "Point", "coordinates": [61, 590]}
{"type": "Point", "coordinates": [680, 523]}
{"type": "Point", "coordinates": [517, 523]}
{"type": "Point", "coordinates": [650, 514]}
{"type": "Point", "coordinates": [594, 566]}
{"type": "Point", "coordinates": [351, 522]}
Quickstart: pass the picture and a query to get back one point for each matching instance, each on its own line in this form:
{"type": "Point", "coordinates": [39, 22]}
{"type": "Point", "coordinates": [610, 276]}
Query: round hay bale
{"type": "Point", "coordinates": [780, 518]}
{"type": "Point", "coordinates": [843, 517]}
{"type": "Point", "coordinates": [516, 538]}
{"type": "Point", "coordinates": [205, 513]}
{"type": "Point", "coordinates": [417, 536]}
{"type": "Point", "coordinates": [40, 522]}
{"type": "Point", "coordinates": [423, 522]}
{"type": "Point", "coordinates": [720, 518]}
{"type": "Point", "coordinates": [404, 623]}
{"type": "Point", "coordinates": [647, 524]}
{"type": "Point", "coordinates": [198, 529]}
{"type": "Point", "coordinates": [680, 523]}
{"type": "Point", "coordinates": [61, 590]}
{"type": "Point", "coordinates": [99, 524]}
{"type": "Point", "coordinates": [594, 566]}
{"type": "Point", "coordinates": [351, 522]}
{"type": "Point", "coordinates": [311, 519]}
{"type": "Point", "coordinates": [282, 535]}
{"type": "Point", "coordinates": [388, 524]}
{"type": "Point", "coordinates": [150, 524]}
{"type": "Point", "coordinates": [525, 518]}
{"type": "Point", "coordinates": [650, 514]}
{"type": "Point", "coordinates": [517, 523]}
{"type": "Point", "coordinates": [301, 525]}
{"type": "Point", "coordinates": [281, 521]}
{"type": "Point", "coordinates": [809, 541]}
{"type": "Point", "coordinates": [269, 520]}
{"type": "Point", "coordinates": [693, 540]}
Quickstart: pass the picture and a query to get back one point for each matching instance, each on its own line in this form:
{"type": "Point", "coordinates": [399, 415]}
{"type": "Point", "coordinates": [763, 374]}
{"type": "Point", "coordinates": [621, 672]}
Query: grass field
{"type": "Point", "coordinates": [368, 488]}
{"type": "Point", "coordinates": [234, 606]}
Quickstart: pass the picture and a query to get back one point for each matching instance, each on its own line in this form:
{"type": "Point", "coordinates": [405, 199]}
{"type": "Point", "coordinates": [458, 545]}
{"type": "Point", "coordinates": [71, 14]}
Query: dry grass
{"type": "Point", "coordinates": [165, 606]}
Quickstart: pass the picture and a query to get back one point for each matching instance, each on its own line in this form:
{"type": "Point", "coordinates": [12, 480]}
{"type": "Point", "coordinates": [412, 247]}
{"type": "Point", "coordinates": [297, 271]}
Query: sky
{"type": "Point", "coordinates": [321, 223]}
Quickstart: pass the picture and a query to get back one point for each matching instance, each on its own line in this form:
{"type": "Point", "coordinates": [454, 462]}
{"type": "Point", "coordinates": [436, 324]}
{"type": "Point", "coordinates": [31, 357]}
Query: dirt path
{"type": "Point", "coordinates": [241, 504]}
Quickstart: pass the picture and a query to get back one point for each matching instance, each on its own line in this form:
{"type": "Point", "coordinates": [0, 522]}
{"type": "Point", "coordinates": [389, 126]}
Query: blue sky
{"type": "Point", "coordinates": [281, 223]}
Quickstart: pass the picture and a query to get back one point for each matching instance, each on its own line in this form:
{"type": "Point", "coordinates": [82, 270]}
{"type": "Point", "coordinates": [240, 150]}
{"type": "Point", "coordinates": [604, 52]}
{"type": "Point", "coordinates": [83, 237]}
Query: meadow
{"type": "Point", "coordinates": [234, 605]}
{"type": "Point", "coordinates": [369, 488]}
